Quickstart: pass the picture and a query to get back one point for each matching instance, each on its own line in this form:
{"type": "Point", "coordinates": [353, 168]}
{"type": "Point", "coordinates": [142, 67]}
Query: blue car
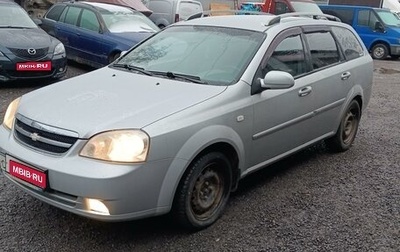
{"type": "Point", "coordinates": [95, 34]}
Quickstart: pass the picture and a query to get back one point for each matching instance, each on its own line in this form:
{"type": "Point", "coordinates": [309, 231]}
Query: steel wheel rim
{"type": "Point", "coordinates": [349, 127]}
{"type": "Point", "coordinates": [207, 193]}
{"type": "Point", "coordinates": [379, 52]}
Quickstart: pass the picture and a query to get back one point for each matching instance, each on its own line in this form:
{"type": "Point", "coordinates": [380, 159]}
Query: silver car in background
{"type": "Point", "coordinates": [176, 122]}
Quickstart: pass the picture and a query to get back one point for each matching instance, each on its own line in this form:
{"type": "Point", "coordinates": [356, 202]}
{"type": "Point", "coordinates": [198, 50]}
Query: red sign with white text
{"type": "Point", "coordinates": [34, 66]}
{"type": "Point", "coordinates": [28, 174]}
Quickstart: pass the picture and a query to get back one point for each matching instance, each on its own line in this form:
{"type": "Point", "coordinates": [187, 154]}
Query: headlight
{"type": "Point", "coordinates": [127, 146]}
{"type": "Point", "coordinates": [59, 49]}
{"type": "Point", "coordinates": [10, 113]}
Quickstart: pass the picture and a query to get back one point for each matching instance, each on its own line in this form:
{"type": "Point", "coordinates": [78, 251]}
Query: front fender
{"type": "Point", "coordinates": [189, 151]}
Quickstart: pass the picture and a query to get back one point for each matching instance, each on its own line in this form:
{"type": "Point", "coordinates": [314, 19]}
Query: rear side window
{"type": "Point", "coordinates": [55, 12]}
{"type": "Point", "coordinates": [281, 8]}
{"type": "Point", "coordinates": [323, 49]}
{"type": "Point", "coordinates": [350, 45]}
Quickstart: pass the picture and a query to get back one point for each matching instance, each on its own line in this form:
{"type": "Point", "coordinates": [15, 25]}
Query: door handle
{"type": "Point", "coordinates": [345, 75]}
{"type": "Point", "coordinates": [305, 91]}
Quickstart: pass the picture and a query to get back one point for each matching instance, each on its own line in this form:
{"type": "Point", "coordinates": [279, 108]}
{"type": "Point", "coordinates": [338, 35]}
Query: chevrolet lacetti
{"type": "Point", "coordinates": [177, 121]}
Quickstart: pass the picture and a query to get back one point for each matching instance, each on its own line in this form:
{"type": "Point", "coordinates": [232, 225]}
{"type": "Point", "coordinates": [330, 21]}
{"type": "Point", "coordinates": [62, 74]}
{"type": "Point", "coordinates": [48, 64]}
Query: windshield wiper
{"type": "Point", "coordinates": [14, 27]}
{"type": "Point", "coordinates": [133, 68]}
{"type": "Point", "coordinates": [171, 75]}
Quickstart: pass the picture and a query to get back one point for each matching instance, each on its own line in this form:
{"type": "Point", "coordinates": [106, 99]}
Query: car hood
{"type": "Point", "coordinates": [24, 38]}
{"type": "Point", "coordinates": [108, 99]}
{"type": "Point", "coordinates": [132, 38]}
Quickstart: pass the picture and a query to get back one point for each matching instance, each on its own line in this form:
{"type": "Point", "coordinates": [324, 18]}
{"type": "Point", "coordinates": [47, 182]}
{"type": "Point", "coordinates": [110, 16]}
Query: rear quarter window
{"type": "Point", "coordinates": [349, 43]}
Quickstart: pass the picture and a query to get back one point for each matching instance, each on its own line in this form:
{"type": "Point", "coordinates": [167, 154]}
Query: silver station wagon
{"type": "Point", "coordinates": [177, 121]}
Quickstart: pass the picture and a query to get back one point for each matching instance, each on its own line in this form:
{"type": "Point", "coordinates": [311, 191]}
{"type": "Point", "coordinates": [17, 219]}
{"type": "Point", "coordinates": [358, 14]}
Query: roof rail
{"type": "Point", "coordinates": [310, 15]}
{"type": "Point", "coordinates": [225, 13]}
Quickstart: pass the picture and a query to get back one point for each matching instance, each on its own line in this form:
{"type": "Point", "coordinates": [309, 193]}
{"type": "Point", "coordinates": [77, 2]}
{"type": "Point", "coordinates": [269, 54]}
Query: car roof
{"type": "Point", "coordinates": [97, 5]}
{"type": "Point", "coordinates": [337, 6]}
{"type": "Point", "coordinates": [258, 23]}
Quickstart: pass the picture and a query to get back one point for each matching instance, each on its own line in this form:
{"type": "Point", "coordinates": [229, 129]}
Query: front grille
{"type": "Point", "coordinates": [42, 137]}
{"type": "Point", "coordinates": [23, 53]}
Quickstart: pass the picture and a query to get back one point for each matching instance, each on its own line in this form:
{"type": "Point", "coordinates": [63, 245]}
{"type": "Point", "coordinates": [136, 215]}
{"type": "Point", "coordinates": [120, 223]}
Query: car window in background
{"type": "Point", "coordinates": [367, 18]}
{"type": "Point", "coordinates": [389, 18]}
{"type": "Point", "coordinates": [306, 7]}
{"type": "Point", "coordinates": [281, 8]}
{"type": "Point", "coordinates": [89, 21]}
{"type": "Point", "coordinates": [15, 16]}
{"type": "Point", "coordinates": [323, 49]}
{"type": "Point", "coordinates": [72, 14]}
{"type": "Point", "coordinates": [55, 12]}
{"type": "Point", "coordinates": [125, 20]}
{"type": "Point", "coordinates": [349, 43]}
{"type": "Point", "coordinates": [217, 55]}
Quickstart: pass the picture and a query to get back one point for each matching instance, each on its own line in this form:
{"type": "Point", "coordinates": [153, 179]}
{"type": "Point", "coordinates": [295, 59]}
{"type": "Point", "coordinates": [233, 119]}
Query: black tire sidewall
{"type": "Point", "coordinates": [183, 204]}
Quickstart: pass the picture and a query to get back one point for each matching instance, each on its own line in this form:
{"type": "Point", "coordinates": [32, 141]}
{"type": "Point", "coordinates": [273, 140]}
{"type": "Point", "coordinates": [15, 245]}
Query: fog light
{"type": "Point", "coordinates": [97, 207]}
{"type": "Point", "coordinates": [61, 69]}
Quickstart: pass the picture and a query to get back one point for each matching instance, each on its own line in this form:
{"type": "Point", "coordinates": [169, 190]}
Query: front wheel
{"type": "Point", "coordinates": [204, 191]}
{"type": "Point", "coordinates": [348, 127]}
{"type": "Point", "coordinates": [380, 51]}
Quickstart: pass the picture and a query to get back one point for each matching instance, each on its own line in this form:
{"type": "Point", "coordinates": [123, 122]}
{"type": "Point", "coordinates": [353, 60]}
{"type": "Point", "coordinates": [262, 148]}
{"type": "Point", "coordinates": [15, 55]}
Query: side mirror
{"type": "Point", "coordinates": [37, 21]}
{"type": "Point", "coordinates": [379, 26]}
{"type": "Point", "coordinates": [277, 80]}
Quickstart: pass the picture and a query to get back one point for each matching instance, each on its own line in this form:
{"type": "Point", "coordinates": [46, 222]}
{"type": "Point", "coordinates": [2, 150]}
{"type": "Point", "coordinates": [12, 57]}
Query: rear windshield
{"type": "Point", "coordinates": [306, 7]}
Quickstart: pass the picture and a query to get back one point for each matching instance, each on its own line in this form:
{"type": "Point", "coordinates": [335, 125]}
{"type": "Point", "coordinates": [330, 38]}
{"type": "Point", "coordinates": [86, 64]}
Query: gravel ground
{"type": "Point", "coordinates": [313, 201]}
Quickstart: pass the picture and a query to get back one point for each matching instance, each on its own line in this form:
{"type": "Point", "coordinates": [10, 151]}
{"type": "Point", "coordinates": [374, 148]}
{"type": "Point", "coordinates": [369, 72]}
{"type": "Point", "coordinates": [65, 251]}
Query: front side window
{"type": "Point", "coordinates": [323, 49]}
{"type": "Point", "coordinates": [367, 18]}
{"type": "Point", "coordinates": [288, 56]}
{"type": "Point", "coordinates": [89, 21]}
{"type": "Point", "coordinates": [217, 56]}
{"type": "Point", "coordinates": [351, 46]}
{"type": "Point", "coordinates": [71, 15]}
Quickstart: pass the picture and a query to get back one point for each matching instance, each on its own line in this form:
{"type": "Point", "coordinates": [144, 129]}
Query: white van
{"type": "Point", "coordinates": [166, 12]}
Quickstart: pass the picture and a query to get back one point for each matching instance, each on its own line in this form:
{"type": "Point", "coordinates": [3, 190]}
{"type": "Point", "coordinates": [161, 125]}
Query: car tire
{"type": "Point", "coordinates": [204, 191]}
{"type": "Point", "coordinates": [347, 131]}
{"type": "Point", "coordinates": [380, 51]}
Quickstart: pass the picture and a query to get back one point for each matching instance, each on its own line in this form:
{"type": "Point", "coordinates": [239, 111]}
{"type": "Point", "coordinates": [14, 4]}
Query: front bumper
{"type": "Point", "coordinates": [395, 50]}
{"type": "Point", "coordinates": [128, 191]}
{"type": "Point", "coordinates": [8, 70]}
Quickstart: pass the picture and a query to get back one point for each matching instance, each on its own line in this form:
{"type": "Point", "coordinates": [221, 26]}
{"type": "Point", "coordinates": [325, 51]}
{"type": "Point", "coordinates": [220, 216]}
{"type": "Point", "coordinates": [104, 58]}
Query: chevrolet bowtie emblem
{"type": "Point", "coordinates": [35, 136]}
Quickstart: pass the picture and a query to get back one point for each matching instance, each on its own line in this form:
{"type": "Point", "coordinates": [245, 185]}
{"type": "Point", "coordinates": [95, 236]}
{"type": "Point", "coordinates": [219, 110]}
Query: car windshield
{"type": "Point", "coordinates": [389, 18]}
{"type": "Point", "coordinates": [214, 55]}
{"type": "Point", "coordinates": [14, 16]}
{"type": "Point", "coordinates": [306, 7]}
{"type": "Point", "coordinates": [121, 19]}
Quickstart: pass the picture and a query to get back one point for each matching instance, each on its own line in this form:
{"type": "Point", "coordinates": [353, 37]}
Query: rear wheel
{"type": "Point", "coordinates": [347, 131]}
{"type": "Point", "coordinates": [380, 51]}
{"type": "Point", "coordinates": [204, 191]}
